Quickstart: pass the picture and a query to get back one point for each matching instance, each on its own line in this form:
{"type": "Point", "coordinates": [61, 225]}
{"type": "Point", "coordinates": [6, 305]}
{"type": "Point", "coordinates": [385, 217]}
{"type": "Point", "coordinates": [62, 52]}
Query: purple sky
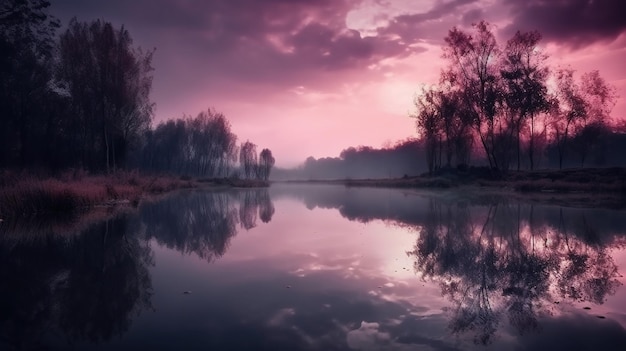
{"type": "Point", "coordinates": [312, 77]}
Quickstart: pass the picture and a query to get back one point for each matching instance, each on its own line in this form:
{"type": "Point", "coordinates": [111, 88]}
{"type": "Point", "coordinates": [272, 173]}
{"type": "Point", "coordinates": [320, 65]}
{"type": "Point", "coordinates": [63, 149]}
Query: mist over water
{"type": "Point", "coordinates": [320, 267]}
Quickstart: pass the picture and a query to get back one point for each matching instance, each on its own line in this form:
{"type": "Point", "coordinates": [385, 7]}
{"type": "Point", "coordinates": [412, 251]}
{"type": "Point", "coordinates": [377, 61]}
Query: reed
{"type": "Point", "coordinates": [67, 195]}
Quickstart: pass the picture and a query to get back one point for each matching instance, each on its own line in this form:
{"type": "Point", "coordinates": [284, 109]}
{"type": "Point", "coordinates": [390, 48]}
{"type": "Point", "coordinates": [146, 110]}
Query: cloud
{"type": "Point", "coordinates": [430, 26]}
{"type": "Point", "coordinates": [249, 40]}
{"type": "Point", "coordinates": [574, 23]}
{"type": "Point", "coordinates": [367, 337]}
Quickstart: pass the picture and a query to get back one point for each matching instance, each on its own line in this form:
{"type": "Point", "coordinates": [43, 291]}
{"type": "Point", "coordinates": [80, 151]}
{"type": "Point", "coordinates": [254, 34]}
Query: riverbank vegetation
{"type": "Point", "coordinates": [575, 180]}
{"type": "Point", "coordinates": [74, 192]}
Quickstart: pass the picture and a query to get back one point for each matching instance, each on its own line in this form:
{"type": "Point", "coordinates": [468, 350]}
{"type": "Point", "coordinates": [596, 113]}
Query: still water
{"type": "Point", "coordinates": [318, 267]}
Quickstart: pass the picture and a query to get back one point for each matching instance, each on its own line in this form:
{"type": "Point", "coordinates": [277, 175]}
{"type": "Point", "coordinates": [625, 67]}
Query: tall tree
{"type": "Point", "coordinates": [428, 122]}
{"type": "Point", "coordinates": [599, 99]}
{"type": "Point", "coordinates": [109, 82]}
{"type": "Point", "coordinates": [26, 42]}
{"type": "Point", "coordinates": [266, 162]}
{"type": "Point", "coordinates": [568, 108]}
{"type": "Point", "coordinates": [525, 72]}
{"type": "Point", "coordinates": [248, 159]}
{"type": "Point", "coordinates": [474, 66]}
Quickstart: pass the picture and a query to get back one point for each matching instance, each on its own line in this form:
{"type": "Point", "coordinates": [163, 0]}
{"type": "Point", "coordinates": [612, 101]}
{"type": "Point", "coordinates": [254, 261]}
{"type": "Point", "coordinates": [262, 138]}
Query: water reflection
{"type": "Point", "coordinates": [311, 280]}
{"type": "Point", "coordinates": [60, 289]}
{"type": "Point", "coordinates": [494, 259]}
{"type": "Point", "coordinates": [201, 224]}
{"type": "Point", "coordinates": [87, 287]}
{"type": "Point", "coordinates": [506, 264]}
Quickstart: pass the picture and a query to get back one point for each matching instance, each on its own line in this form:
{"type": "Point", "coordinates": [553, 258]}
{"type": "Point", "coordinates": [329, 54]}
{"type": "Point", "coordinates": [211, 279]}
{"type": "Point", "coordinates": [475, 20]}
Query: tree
{"type": "Point", "coordinates": [248, 159]}
{"type": "Point", "coordinates": [27, 120]}
{"type": "Point", "coordinates": [428, 122]}
{"type": "Point", "coordinates": [599, 98]}
{"type": "Point", "coordinates": [501, 95]}
{"type": "Point", "coordinates": [568, 107]}
{"type": "Point", "coordinates": [266, 162]}
{"type": "Point", "coordinates": [474, 67]}
{"type": "Point", "coordinates": [211, 144]}
{"type": "Point", "coordinates": [109, 83]}
{"type": "Point", "coordinates": [202, 146]}
{"type": "Point", "coordinates": [525, 72]}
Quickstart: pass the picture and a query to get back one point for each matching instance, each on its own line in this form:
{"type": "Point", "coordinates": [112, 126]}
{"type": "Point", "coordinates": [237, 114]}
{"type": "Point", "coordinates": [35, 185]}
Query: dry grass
{"type": "Point", "coordinates": [72, 193]}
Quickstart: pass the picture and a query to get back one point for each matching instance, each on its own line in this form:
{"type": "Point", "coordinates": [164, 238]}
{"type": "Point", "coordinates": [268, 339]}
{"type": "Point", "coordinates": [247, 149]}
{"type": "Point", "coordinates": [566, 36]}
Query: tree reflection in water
{"type": "Point", "coordinates": [499, 261]}
{"type": "Point", "coordinates": [203, 224]}
{"type": "Point", "coordinates": [88, 287]}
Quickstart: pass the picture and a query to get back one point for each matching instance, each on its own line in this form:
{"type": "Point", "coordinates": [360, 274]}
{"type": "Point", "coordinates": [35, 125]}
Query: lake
{"type": "Point", "coordinates": [318, 267]}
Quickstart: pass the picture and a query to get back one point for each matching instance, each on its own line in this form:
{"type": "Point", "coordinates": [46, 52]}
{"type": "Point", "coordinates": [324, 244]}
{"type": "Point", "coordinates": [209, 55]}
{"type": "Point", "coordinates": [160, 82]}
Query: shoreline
{"type": "Point", "coordinates": [605, 187]}
{"type": "Point", "coordinates": [24, 197]}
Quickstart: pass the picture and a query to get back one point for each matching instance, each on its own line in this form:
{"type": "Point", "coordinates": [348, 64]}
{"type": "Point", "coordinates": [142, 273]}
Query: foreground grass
{"type": "Point", "coordinates": [25, 196]}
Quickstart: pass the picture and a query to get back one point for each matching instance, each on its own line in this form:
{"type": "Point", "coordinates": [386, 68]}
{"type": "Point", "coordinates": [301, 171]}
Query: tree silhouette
{"type": "Point", "coordinates": [473, 64]}
{"type": "Point", "coordinates": [27, 99]}
{"type": "Point", "coordinates": [248, 159]}
{"type": "Point", "coordinates": [429, 123]}
{"type": "Point", "coordinates": [202, 146]}
{"type": "Point", "coordinates": [266, 162]}
{"type": "Point", "coordinates": [109, 83]}
{"type": "Point", "coordinates": [525, 72]}
{"type": "Point", "coordinates": [502, 93]}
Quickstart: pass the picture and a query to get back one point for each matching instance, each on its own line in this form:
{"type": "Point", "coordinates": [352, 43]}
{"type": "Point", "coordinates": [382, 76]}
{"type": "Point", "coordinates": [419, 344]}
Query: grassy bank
{"type": "Point", "coordinates": [25, 196]}
{"type": "Point", "coordinates": [608, 181]}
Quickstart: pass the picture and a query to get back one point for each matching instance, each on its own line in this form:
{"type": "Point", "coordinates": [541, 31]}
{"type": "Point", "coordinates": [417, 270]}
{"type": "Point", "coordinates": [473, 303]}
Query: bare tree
{"type": "Point", "coordinates": [474, 66]}
{"type": "Point", "coordinates": [568, 108]}
{"type": "Point", "coordinates": [599, 98]}
{"type": "Point", "coordinates": [428, 122]}
{"type": "Point", "coordinates": [525, 72]}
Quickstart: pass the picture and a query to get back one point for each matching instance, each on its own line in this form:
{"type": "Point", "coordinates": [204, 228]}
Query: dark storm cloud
{"type": "Point", "coordinates": [574, 23]}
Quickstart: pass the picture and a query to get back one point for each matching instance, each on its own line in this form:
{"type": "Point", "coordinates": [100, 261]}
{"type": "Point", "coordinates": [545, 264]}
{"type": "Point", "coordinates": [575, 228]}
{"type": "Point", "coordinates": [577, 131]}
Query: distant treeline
{"type": "Point", "coordinates": [202, 146]}
{"type": "Point", "coordinates": [362, 162]}
{"type": "Point", "coordinates": [408, 157]}
{"type": "Point", "coordinates": [81, 100]}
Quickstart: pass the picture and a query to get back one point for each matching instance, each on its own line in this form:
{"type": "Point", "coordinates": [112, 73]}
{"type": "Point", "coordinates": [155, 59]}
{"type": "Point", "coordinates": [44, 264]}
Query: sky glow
{"type": "Point", "coordinates": [312, 77]}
